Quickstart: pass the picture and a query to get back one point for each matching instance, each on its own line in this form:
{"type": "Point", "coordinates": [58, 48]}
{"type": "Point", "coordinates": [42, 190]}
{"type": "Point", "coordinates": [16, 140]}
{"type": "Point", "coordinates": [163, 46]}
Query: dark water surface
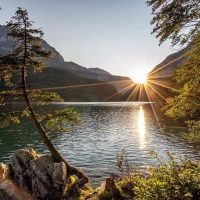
{"type": "Point", "coordinates": [106, 129]}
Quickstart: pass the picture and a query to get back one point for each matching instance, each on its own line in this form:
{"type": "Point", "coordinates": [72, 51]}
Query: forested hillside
{"type": "Point", "coordinates": [161, 77]}
{"type": "Point", "coordinates": [70, 86]}
{"type": "Point", "coordinates": [58, 62]}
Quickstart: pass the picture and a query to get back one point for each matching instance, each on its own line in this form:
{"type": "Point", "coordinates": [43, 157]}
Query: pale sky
{"type": "Point", "coordinates": [114, 35]}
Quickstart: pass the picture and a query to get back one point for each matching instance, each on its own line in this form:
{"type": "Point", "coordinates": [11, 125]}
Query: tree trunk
{"type": "Point", "coordinates": [54, 152]}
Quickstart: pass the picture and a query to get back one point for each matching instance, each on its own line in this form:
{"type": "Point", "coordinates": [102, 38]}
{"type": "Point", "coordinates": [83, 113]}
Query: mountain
{"type": "Point", "coordinates": [66, 78]}
{"type": "Point", "coordinates": [119, 82]}
{"type": "Point", "coordinates": [168, 66]}
{"type": "Point", "coordinates": [160, 78]}
{"type": "Point", "coordinates": [69, 86]}
{"type": "Point", "coordinates": [5, 45]}
{"type": "Point", "coordinates": [99, 71]}
{"type": "Point", "coordinates": [58, 62]}
{"type": "Point", "coordinates": [159, 81]}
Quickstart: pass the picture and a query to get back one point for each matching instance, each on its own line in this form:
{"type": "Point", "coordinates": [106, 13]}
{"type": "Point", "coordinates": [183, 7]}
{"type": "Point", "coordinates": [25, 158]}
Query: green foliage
{"type": "Point", "coordinates": [26, 58]}
{"type": "Point", "coordinates": [8, 65]}
{"type": "Point", "coordinates": [186, 102]}
{"type": "Point", "coordinates": [6, 118]}
{"type": "Point", "coordinates": [129, 175]}
{"type": "Point", "coordinates": [44, 98]}
{"type": "Point", "coordinates": [85, 191]}
{"type": "Point", "coordinates": [179, 179]}
{"type": "Point", "coordinates": [125, 188]}
{"type": "Point", "coordinates": [124, 166]}
{"type": "Point", "coordinates": [194, 131]}
{"type": "Point", "coordinates": [14, 116]}
{"type": "Point", "coordinates": [177, 20]}
{"type": "Point", "coordinates": [27, 53]}
{"type": "Point", "coordinates": [103, 195]}
{"type": "Point", "coordinates": [9, 95]}
{"type": "Point", "coordinates": [26, 44]}
{"type": "Point", "coordinates": [63, 85]}
{"type": "Point", "coordinates": [60, 120]}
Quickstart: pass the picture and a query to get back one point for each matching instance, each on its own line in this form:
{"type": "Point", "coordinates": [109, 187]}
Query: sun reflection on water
{"type": "Point", "coordinates": [141, 128]}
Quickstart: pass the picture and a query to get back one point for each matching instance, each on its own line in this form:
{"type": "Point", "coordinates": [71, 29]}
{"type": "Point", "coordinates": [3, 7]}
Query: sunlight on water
{"type": "Point", "coordinates": [141, 128]}
{"type": "Point", "coordinates": [106, 129]}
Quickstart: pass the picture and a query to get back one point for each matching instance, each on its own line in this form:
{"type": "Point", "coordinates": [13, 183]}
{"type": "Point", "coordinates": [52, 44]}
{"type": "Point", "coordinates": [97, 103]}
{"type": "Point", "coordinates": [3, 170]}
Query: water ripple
{"type": "Point", "coordinates": [104, 132]}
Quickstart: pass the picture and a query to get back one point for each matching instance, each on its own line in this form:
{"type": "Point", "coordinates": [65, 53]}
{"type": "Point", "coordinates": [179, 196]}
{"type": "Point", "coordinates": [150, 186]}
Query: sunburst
{"type": "Point", "coordinates": [139, 76]}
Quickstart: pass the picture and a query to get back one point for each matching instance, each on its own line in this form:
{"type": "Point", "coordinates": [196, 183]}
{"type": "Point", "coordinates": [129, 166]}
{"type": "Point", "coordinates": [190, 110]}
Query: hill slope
{"type": "Point", "coordinates": [69, 86]}
{"type": "Point", "coordinates": [58, 62]}
{"type": "Point", "coordinates": [160, 78]}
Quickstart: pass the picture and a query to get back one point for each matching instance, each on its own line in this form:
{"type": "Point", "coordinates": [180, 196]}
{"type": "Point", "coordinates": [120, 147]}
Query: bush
{"type": "Point", "coordinates": [177, 180]}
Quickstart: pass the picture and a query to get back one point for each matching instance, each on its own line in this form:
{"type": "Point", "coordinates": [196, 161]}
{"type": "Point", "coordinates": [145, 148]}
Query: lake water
{"type": "Point", "coordinates": [106, 129]}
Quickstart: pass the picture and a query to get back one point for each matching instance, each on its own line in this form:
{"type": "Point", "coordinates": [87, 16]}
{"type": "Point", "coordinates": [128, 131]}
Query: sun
{"type": "Point", "coordinates": [141, 79]}
{"type": "Point", "coordinates": [139, 76]}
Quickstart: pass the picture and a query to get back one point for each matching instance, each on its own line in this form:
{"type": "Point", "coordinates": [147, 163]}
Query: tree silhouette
{"type": "Point", "coordinates": [28, 53]}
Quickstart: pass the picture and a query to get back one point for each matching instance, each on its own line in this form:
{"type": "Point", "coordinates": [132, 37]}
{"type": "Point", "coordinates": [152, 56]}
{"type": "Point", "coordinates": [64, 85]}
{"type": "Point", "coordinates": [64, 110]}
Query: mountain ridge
{"type": "Point", "coordinates": [169, 64]}
{"type": "Point", "coordinates": [161, 73]}
{"type": "Point", "coordinates": [57, 61]}
{"type": "Point", "coordinates": [70, 86]}
{"type": "Point", "coordinates": [161, 76]}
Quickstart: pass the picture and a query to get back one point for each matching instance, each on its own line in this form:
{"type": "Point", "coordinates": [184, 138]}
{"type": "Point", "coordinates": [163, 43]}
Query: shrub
{"type": "Point", "coordinates": [177, 180]}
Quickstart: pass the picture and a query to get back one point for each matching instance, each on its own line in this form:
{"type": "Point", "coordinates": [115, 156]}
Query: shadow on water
{"type": "Point", "coordinates": [106, 129]}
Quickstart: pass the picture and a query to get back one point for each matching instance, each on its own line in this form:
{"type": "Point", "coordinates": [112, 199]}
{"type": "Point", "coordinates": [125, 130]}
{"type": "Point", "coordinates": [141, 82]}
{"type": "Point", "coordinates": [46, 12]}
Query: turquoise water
{"type": "Point", "coordinates": [106, 129]}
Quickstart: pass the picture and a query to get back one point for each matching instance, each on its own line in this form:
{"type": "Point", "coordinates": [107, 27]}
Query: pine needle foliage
{"type": "Point", "coordinates": [28, 52]}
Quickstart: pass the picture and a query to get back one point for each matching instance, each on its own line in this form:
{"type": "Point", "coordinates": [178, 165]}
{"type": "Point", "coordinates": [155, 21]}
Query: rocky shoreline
{"type": "Point", "coordinates": [33, 177]}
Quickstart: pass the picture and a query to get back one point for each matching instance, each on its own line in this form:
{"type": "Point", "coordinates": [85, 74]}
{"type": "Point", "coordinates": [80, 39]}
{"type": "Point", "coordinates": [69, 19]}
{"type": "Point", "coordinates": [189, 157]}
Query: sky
{"type": "Point", "coordinates": [113, 35]}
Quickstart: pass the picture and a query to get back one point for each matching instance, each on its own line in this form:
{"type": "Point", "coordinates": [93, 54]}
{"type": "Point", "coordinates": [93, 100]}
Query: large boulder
{"type": "Point", "coordinates": [41, 176]}
{"type": "Point", "coordinates": [9, 190]}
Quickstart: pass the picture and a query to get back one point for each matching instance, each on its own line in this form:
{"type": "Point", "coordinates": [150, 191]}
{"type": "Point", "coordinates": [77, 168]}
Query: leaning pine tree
{"type": "Point", "coordinates": [28, 53]}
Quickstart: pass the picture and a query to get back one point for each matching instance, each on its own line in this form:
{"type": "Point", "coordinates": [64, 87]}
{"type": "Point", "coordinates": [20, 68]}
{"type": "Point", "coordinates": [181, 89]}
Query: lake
{"type": "Point", "coordinates": [106, 129]}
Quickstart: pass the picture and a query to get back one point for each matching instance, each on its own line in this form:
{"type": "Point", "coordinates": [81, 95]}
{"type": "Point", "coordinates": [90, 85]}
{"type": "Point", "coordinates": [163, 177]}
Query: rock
{"type": "Point", "coordinates": [4, 172]}
{"type": "Point", "coordinates": [19, 165]}
{"type": "Point", "coordinates": [42, 177]}
{"type": "Point", "coordinates": [9, 190]}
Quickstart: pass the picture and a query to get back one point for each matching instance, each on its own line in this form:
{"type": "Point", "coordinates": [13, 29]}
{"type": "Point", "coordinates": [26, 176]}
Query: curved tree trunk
{"type": "Point", "coordinates": [54, 152]}
{"type": "Point", "coordinates": [28, 52]}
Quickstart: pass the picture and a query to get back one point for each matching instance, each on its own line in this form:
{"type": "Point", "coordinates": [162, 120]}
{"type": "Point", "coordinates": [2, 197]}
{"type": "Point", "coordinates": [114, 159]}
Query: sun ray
{"type": "Point", "coordinates": [166, 65]}
{"type": "Point", "coordinates": [155, 77]}
{"type": "Point", "coordinates": [156, 83]}
{"type": "Point", "coordinates": [136, 88]}
{"type": "Point", "coordinates": [165, 86]}
{"type": "Point", "coordinates": [157, 92]}
{"type": "Point", "coordinates": [152, 107]}
{"type": "Point", "coordinates": [140, 91]}
{"type": "Point", "coordinates": [76, 86]}
{"type": "Point", "coordinates": [118, 92]}
{"type": "Point", "coordinates": [140, 94]}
